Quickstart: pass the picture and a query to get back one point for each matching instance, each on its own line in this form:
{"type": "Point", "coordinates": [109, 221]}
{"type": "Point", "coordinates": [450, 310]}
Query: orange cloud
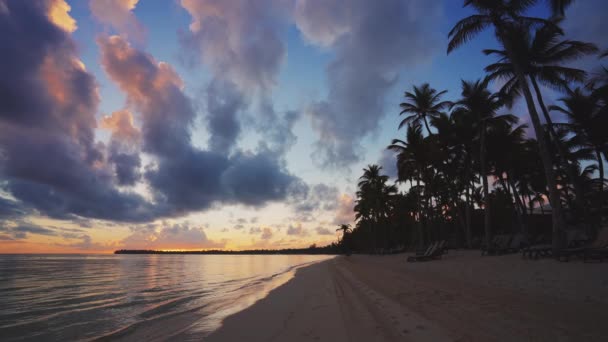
{"type": "Point", "coordinates": [58, 13]}
{"type": "Point", "coordinates": [120, 123]}
{"type": "Point", "coordinates": [137, 79]}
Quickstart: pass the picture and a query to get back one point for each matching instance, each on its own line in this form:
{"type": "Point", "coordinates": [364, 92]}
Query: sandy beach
{"type": "Point", "coordinates": [463, 297]}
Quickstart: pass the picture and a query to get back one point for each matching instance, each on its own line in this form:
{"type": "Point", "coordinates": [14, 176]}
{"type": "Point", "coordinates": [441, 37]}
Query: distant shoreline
{"type": "Point", "coordinates": [303, 251]}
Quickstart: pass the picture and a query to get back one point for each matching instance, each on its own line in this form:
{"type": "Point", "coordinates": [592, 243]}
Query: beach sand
{"type": "Point", "coordinates": [463, 297]}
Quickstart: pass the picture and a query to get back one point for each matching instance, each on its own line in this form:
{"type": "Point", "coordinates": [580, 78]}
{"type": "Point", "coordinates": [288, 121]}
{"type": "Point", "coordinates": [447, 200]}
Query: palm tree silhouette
{"type": "Point", "coordinates": [422, 103]}
{"type": "Point", "coordinates": [345, 229]}
{"type": "Point", "coordinates": [504, 16]}
{"type": "Point", "coordinates": [481, 104]}
{"type": "Point", "coordinates": [542, 57]}
{"type": "Point", "coordinates": [585, 119]}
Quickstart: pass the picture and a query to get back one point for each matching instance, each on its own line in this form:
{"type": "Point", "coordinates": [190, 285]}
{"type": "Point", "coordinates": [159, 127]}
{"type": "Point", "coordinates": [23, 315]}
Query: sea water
{"type": "Point", "coordinates": [86, 297]}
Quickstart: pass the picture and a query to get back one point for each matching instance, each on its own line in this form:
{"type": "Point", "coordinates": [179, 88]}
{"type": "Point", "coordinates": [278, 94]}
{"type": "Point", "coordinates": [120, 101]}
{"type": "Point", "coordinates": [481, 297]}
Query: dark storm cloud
{"type": "Point", "coordinates": [373, 41]}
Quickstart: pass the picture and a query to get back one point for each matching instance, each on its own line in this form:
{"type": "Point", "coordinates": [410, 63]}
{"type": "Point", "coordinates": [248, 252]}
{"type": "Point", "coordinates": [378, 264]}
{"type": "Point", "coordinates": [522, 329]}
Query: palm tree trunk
{"type": "Point", "coordinates": [426, 124]}
{"type": "Point", "coordinates": [600, 164]}
{"type": "Point", "coordinates": [484, 177]}
{"type": "Point", "coordinates": [420, 232]}
{"type": "Point", "coordinates": [522, 212]}
{"type": "Point", "coordinates": [570, 169]}
{"type": "Point", "coordinates": [468, 215]}
{"type": "Point", "coordinates": [559, 225]}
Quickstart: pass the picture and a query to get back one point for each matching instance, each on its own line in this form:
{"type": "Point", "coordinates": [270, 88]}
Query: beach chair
{"type": "Point", "coordinates": [540, 247]}
{"type": "Point", "coordinates": [595, 250]}
{"type": "Point", "coordinates": [434, 252]}
{"type": "Point", "coordinates": [499, 243]}
{"type": "Point", "coordinates": [573, 240]}
{"type": "Point", "coordinates": [598, 254]}
{"type": "Point", "coordinates": [484, 248]}
{"type": "Point", "coordinates": [423, 251]}
{"type": "Point", "coordinates": [517, 241]}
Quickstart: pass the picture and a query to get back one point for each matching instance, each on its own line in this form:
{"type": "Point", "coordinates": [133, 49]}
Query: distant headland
{"type": "Point", "coordinates": [330, 249]}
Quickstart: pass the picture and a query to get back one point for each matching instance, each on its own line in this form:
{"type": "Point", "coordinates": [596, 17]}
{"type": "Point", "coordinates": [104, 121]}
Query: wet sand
{"type": "Point", "coordinates": [463, 297]}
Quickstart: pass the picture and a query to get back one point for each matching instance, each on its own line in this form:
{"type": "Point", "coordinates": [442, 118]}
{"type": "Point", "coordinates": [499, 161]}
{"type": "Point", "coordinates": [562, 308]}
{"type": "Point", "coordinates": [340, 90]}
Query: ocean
{"type": "Point", "coordinates": [89, 297]}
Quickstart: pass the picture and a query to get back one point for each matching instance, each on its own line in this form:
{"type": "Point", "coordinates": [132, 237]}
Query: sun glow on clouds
{"type": "Point", "coordinates": [58, 13]}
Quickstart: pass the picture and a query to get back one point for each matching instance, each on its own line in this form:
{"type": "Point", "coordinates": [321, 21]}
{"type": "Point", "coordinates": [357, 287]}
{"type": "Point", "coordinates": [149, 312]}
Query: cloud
{"type": "Point", "coordinates": [58, 13]}
{"type": "Point", "coordinates": [21, 229]}
{"type": "Point", "coordinates": [373, 41]}
{"type": "Point", "coordinates": [10, 209]}
{"type": "Point", "coordinates": [224, 101]}
{"type": "Point", "coordinates": [255, 230]}
{"type": "Point", "coordinates": [176, 236]}
{"type": "Point", "coordinates": [124, 146]}
{"type": "Point", "coordinates": [120, 123]}
{"type": "Point", "coordinates": [319, 197]}
{"type": "Point", "coordinates": [297, 230]}
{"type": "Point", "coordinates": [50, 160]}
{"type": "Point", "coordinates": [388, 161]}
{"type": "Point", "coordinates": [118, 14]}
{"type": "Point", "coordinates": [324, 231]}
{"type": "Point", "coordinates": [266, 234]}
{"type": "Point", "coordinates": [345, 213]}
{"type": "Point", "coordinates": [238, 40]}
{"type": "Point", "coordinates": [186, 178]}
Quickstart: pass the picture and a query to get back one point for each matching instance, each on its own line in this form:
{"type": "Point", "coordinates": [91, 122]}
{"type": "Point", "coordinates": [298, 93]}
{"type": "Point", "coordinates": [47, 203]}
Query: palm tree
{"type": "Point", "coordinates": [412, 159]}
{"type": "Point", "coordinates": [583, 114]}
{"type": "Point", "coordinates": [542, 57]}
{"type": "Point", "coordinates": [504, 16]}
{"type": "Point", "coordinates": [505, 147]}
{"type": "Point", "coordinates": [373, 199]}
{"type": "Point", "coordinates": [478, 102]}
{"type": "Point", "coordinates": [423, 103]}
{"type": "Point", "coordinates": [345, 229]}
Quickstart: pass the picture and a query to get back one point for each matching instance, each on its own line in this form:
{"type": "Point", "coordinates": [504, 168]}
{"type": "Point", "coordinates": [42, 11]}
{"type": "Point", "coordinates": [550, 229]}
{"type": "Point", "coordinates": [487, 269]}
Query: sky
{"type": "Point", "coordinates": [199, 124]}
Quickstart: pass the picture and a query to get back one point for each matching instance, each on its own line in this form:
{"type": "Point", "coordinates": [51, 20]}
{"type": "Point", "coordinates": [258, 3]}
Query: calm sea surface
{"type": "Point", "coordinates": [85, 297]}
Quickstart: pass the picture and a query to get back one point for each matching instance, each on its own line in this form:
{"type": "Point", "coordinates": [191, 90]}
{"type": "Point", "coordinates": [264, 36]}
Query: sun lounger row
{"type": "Point", "coordinates": [596, 250]}
{"type": "Point", "coordinates": [503, 244]}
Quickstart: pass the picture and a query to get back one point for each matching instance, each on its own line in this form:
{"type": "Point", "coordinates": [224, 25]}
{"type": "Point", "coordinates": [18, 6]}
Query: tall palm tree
{"type": "Point", "coordinates": [542, 56]}
{"type": "Point", "coordinates": [504, 16]}
{"type": "Point", "coordinates": [481, 104]}
{"type": "Point", "coordinates": [422, 103]}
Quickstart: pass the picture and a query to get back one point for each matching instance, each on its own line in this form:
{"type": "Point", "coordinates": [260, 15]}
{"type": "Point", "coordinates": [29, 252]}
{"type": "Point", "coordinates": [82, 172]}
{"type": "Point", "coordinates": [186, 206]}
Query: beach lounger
{"type": "Point", "coordinates": [514, 246]}
{"type": "Point", "coordinates": [424, 251]}
{"type": "Point", "coordinates": [594, 250]}
{"type": "Point", "coordinates": [434, 252]}
{"type": "Point", "coordinates": [573, 240]}
{"type": "Point", "coordinates": [499, 243]}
